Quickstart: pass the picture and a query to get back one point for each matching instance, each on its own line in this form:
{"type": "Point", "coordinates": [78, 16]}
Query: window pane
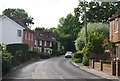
{"type": "Point", "coordinates": [19, 33]}
{"type": "Point", "coordinates": [116, 25]}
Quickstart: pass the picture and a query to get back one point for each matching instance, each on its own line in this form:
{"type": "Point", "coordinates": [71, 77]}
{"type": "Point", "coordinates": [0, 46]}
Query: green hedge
{"type": "Point", "coordinates": [12, 48]}
{"type": "Point", "coordinates": [77, 55]}
{"type": "Point", "coordinates": [43, 55]}
{"type": "Point", "coordinates": [6, 61]}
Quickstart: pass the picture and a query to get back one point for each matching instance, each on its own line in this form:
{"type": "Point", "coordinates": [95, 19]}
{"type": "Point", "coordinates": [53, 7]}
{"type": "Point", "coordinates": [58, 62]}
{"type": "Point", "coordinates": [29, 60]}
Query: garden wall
{"type": "Point", "coordinates": [112, 68]}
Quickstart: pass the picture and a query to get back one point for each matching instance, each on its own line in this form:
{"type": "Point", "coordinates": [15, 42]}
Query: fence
{"type": "Point", "coordinates": [112, 67]}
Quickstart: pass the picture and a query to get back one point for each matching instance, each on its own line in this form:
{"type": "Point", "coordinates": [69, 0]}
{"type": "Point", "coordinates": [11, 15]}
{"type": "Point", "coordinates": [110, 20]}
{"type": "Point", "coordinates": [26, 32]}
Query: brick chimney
{"type": "Point", "coordinates": [37, 31]}
{"type": "Point", "coordinates": [48, 34]}
{"type": "Point", "coordinates": [7, 12]}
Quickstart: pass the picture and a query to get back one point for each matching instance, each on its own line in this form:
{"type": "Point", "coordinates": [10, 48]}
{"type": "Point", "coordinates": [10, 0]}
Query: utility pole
{"type": "Point", "coordinates": [85, 23]}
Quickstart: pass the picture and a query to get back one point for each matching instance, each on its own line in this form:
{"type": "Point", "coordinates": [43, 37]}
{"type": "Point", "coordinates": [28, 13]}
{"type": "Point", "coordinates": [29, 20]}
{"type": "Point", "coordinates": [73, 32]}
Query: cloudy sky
{"type": "Point", "coordinates": [46, 13]}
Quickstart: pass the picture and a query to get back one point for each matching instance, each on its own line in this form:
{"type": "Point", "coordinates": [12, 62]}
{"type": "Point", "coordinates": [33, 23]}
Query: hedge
{"type": "Point", "coordinates": [12, 48]}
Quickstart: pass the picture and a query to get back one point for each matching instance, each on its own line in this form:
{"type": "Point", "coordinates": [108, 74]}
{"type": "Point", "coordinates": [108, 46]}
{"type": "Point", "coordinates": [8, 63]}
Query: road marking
{"type": "Point", "coordinates": [57, 74]}
{"type": "Point", "coordinates": [61, 78]}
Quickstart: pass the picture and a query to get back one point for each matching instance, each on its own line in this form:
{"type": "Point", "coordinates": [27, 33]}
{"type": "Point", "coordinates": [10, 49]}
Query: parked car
{"type": "Point", "coordinates": [68, 55]}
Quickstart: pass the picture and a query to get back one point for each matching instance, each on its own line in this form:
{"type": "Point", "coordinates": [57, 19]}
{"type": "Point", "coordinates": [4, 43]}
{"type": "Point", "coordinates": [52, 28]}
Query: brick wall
{"type": "Point", "coordinates": [97, 66]}
{"type": "Point", "coordinates": [28, 41]}
{"type": "Point", "coordinates": [112, 68]}
{"type": "Point", "coordinates": [114, 36]}
{"type": "Point", "coordinates": [107, 68]}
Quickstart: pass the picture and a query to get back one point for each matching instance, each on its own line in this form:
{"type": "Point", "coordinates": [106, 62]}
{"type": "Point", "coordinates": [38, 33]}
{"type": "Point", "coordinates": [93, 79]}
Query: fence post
{"type": "Point", "coordinates": [117, 68]}
{"type": "Point", "coordinates": [101, 65]}
{"type": "Point", "coordinates": [92, 63]}
{"type": "Point", "coordinates": [112, 68]}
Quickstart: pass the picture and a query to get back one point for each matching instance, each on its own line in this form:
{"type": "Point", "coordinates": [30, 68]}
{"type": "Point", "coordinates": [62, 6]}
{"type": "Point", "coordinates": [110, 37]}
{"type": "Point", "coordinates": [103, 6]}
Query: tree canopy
{"type": "Point", "coordinates": [15, 12]}
{"type": "Point", "coordinates": [97, 11]}
{"type": "Point", "coordinates": [67, 31]}
{"type": "Point", "coordinates": [100, 28]}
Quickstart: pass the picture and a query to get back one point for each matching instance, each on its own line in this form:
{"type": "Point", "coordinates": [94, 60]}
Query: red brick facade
{"type": "Point", "coordinates": [114, 36]}
{"type": "Point", "coordinates": [44, 42]}
{"type": "Point", "coordinates": [115, 32]}
{"type": "Point", "coordinates": [28, 39]}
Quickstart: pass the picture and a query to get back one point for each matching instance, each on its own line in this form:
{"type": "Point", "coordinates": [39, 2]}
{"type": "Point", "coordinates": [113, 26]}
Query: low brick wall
{"type": "Point", "coordinates": [112, 68]}
{"type": "Point", "coordinates": [97, 66]}
{"type": "Point", "coordinates": [107, 68]}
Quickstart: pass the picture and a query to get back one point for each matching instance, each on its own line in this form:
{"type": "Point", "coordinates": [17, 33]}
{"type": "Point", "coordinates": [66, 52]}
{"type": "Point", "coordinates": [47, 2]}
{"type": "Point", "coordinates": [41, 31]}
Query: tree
{"type": "Point", "coordinates": [67, 31]}
{"type": "Point", "coordinates": [16, 12]}
{"type": "Point", "coordinates": [96, 11]}
{"type": "Point", "coordinates": [92, 27]}
{"type": "Point", "coordinates": [95, 41]}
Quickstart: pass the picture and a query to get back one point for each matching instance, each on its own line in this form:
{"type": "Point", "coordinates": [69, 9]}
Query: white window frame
{"type": "Point", "coordinates": [36, 43]}
{"type": "Point", "coordinates": [25, 35]}
{"type": "Point", "coordinates": [116, 25]}
{"type": "Point", "coordinates": [45, 43]}
{"type": "Point", "coordinates": [50, 44]}
{"type": "Point", "coordinates": [19, 33]}
{"type": "Point", "coordinates": [40, 42]}
{"type": "Point", "coordinates": [29, 36]}
{"type": "Point", "coordinates": [32, 37]}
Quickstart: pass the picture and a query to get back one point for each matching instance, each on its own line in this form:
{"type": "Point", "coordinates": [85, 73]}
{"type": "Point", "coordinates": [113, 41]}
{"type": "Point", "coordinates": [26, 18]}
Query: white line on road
{"type": "Point", "coordinates": [57, 74]}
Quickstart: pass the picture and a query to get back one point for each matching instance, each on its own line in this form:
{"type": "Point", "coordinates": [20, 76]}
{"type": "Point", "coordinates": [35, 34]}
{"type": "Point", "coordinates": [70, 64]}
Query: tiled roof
{"type": "Point", "coordinates": [116, 15]}
{"type": "Point", "coordinates": [26, 28]}
{"type": "Point", "coordinates": [44, 38]}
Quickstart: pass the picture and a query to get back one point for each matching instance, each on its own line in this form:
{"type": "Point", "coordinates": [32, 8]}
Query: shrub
{"type": "Point", "coordinates": [85, 60]}
{"type": "Point", "coordinates": [43, 55]}
{"type": "Point", "coordinates": [78, 54]}
{"type": "Point", "coordinates": [33, 53]}
{"type": "Point", "coordinates": [92, 27]}
{"type": "Point", "coordinates": [18, 53]}
{"type": "Point", "coordinates": [12, 48]}
{"type": "Point", "coordinates": [79, 60]}
{"type": "Point", "coordinates": [6, 61]}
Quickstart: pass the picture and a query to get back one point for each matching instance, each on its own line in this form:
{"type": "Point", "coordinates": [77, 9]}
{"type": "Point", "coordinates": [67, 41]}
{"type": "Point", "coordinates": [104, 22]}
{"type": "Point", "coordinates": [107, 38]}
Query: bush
{"type": "Point", "coordinates": [85, 60]}
{"type": "Point", "coordinates": [43, 55]}
{"type": "Point", "coordinates": [78, 54]}
{"type": "Point", "coordinates": [33, 53]}
{"type": "Point", "coordinates": [6, 61]}
{"type": "Point", "coordinates": [79, 60]}
{"type": "Point", "coordinates": [12, 48]}
{"type": "Point", "coordinates": [92, 27]}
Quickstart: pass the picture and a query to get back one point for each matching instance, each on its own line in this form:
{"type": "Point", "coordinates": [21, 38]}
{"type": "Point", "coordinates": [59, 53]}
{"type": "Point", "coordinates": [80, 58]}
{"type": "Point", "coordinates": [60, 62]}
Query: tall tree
{"type": "Point", "coordinates": [97, 11]}
{"type": "Point", "coordinates": [16, 12]}
{"type": "Point", "coordinates": [68, 29]}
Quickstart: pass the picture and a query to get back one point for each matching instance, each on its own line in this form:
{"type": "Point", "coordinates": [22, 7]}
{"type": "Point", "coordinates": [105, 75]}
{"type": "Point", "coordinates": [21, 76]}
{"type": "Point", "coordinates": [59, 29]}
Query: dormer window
{"type": "Point", "coordinates": [116, 25]}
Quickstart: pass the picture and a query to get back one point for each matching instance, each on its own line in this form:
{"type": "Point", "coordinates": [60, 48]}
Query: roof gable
{"type": "Point", "coordinates": [12, 21]}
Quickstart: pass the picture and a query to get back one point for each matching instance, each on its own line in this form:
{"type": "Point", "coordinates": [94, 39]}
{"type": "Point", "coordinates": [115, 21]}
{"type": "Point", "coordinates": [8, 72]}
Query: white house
{"type": "Point", "coordinates": [10, 31]}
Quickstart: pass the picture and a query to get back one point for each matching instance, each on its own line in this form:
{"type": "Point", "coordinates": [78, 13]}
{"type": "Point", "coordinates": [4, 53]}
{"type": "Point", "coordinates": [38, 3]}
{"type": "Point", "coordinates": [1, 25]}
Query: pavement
{"type": "Point", "coordinates": [95, 72]}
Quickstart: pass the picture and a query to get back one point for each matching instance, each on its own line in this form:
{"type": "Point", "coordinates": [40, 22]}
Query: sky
{"type": "Point", "coordinates": [46, 13]}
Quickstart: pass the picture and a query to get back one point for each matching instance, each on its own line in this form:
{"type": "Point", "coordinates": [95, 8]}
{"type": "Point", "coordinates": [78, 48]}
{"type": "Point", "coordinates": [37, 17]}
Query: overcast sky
{"type": "Point", "coordinates": [46, 13]}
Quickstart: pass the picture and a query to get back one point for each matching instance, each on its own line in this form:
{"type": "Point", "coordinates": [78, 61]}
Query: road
{"type": "Point", "coordinates": [58, 68]}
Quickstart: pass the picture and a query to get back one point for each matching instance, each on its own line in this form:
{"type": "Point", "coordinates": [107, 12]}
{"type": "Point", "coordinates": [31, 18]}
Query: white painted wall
{"type": "Point", "coordinates": [9, 31]}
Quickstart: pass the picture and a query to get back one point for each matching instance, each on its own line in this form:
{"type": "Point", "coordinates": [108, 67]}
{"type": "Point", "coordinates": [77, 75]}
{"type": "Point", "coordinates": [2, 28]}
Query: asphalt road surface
{"type": "Point", "coordinates": [54, 69]}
